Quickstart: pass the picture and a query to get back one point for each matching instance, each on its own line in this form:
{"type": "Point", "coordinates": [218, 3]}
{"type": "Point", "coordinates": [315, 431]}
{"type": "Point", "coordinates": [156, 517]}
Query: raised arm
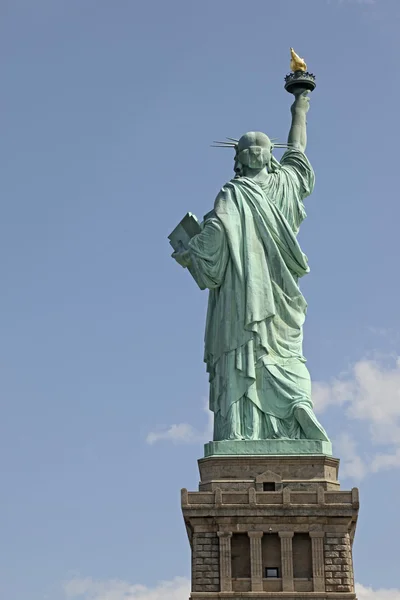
{"type": "Point", "coordinates": [298, 130]}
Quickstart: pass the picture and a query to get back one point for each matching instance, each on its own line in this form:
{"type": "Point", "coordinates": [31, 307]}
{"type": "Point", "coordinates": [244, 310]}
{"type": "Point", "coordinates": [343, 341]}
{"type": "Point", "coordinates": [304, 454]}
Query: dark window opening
{"type": "Point", "coordinates": [271, 555]}
{"type": "Point", "coordinates": [271, 572]}
{"type": "Point", "coordinates": [240, 553]}
{"type": "Point", "coordinates": [269, 486]}
{"type": "Point", "coordinates": [302, 556]}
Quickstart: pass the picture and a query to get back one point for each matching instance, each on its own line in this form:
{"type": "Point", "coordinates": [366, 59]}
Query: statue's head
{"type": "Point", "coordinates": [253, 152]}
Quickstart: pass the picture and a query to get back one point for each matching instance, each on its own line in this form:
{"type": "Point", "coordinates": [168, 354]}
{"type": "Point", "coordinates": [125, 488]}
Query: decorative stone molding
{"type": "Point", "coordinates": [184, 497]}
{"type": "Point", "coordinates": [225, 560]}
{"type": "Point", "coordinates": [269, 476]}
{"type": "Point", "coordinates": [221, 498]}
{"type": "Point", "coordinates": [355, 498]}
{"type": "Point", "coordinates": [287, 560]}
{"type": "Point", "coordinates": [317, 545]}
{"type": "Point", "coordinates": [256, 560]}
{"type": "Point", "coordinates": [286, 496]}
{"type": "Point", "coordinates": [252, 497]}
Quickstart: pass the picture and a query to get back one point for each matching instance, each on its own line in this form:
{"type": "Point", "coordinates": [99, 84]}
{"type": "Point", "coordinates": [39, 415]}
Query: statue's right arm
{"type": "Point", "coordinates": [298, 131]}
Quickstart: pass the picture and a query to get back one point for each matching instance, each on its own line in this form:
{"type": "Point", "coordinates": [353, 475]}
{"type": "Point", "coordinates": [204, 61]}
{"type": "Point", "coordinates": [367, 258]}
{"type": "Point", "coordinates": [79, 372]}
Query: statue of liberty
{"type": "Point", "coordinates": [247, 255]}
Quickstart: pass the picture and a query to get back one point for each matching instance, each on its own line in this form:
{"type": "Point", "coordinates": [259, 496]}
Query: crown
{"type": "Point", "coordinates": [233, 143]}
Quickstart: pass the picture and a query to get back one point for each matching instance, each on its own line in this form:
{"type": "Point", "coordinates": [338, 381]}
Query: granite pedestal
{"type": "Point", "coordinates": [270, 527]}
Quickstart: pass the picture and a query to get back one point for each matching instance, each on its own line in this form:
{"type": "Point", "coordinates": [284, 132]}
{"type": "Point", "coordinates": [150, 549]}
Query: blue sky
{"type": "Point", "coordinates": [108, 111]}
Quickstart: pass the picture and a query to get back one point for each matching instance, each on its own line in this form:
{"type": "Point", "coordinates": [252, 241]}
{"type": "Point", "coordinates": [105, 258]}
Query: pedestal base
{"type": "Point", "coordinates": [282, 447]}
{"type": "Point", "coordinates": [239, 473]}
{"type": "Point", "coordinates": [270, 527]}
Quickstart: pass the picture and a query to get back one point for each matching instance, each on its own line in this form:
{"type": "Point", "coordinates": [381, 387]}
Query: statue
{"type": "Point", "coordinates": [246, 254]}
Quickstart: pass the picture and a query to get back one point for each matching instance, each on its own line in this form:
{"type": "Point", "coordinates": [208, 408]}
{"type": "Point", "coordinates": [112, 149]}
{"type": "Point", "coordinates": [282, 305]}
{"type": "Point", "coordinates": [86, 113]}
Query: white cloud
{"type": "Point", "coordinates": [376, 394]}
{"type": "Point", "coordinates": [367, 593]}
{"type": "Point", "coordinates": [385, 461]}
{"type": "Point", "coordinates": [183, 433]}
{"type": "Point", "coordinates": [351, 464]}
{"type": "Point", "coordinates": [176, 589]}
{"type": "Point", "coordinates": [370, 392]}
{"type": "Point", "coordinates": [177, 433]}
{"type": "Point", "coordinates": [334, 393]}
{"type": "Point", "coordinates": [91, 589]}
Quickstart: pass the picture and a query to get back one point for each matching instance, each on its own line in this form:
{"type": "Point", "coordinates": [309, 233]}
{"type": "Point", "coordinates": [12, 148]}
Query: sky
{"type": "Point", "coordinates": [108, 110]}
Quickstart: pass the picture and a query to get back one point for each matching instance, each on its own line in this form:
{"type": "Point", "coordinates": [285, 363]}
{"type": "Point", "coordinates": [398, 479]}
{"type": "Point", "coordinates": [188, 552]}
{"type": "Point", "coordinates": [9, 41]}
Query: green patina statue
{"type": "Point", "coordinates": [247, 255]}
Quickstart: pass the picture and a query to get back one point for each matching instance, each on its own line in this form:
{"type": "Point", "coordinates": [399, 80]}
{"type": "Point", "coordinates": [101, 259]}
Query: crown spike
{"type": "Point", "coordinates": [227, 144]}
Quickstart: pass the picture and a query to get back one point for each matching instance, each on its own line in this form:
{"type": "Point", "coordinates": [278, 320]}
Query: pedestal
{"type": "Point", "coordinates": [271, 527]}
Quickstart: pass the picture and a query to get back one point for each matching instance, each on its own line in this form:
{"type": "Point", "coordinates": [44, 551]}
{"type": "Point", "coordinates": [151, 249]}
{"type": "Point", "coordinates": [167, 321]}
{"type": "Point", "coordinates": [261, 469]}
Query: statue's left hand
{"type": "Point", "coordinates": [182, 257]}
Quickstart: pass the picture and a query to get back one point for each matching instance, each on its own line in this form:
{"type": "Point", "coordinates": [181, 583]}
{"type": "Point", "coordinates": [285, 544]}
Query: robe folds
{"type": "Point", "coordinates": [248, 256]}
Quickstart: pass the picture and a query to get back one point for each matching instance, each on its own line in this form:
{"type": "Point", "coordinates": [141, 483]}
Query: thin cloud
{"type": "Point", "coordinates": [176, 589]}
{"type": "Point", "coordinates": [368, 593]}
{"type": "Point", "coordinates": [351, 463]}
{"type": "Point", "coordinates": [180, 433]}
{"type": "Point", "coordinates": [369, 393]}
{"type": "Point", "coordinates": [183, 433]}
{"type": "Point", "coordinates": [382, 462]}
{"type": "Point", "coordinates": [91, 589]}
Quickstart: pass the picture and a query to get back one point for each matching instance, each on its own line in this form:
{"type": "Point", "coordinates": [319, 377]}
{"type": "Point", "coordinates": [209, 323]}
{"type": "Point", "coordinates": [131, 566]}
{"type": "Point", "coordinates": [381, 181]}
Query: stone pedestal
{"type": "Point", "coordinates": [270, 527]}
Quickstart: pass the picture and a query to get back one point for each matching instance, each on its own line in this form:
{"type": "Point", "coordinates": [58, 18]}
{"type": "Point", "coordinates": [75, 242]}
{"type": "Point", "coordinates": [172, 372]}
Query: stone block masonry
{"type": "Point", "coordinates": [205, 562]}
{"type": "Point", "coordinates": [338, 563]}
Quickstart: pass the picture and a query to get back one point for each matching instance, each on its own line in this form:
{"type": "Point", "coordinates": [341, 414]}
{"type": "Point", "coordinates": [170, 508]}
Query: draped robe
{"type": "Point", "coordinates": [248, 256]}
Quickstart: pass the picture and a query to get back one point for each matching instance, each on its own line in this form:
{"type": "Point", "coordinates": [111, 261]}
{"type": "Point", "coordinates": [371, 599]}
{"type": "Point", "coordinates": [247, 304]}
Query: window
{"type": "Point", "coordinates": [269, 486]}
{"type": "Point", "coordinates": [240, 552]}
{"type": "Point", "coordinates": [271, 554]}
{"type": "Point", "coordinates": [302, 556]}
{"type": "Point", "coordinates": [271, 572]}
